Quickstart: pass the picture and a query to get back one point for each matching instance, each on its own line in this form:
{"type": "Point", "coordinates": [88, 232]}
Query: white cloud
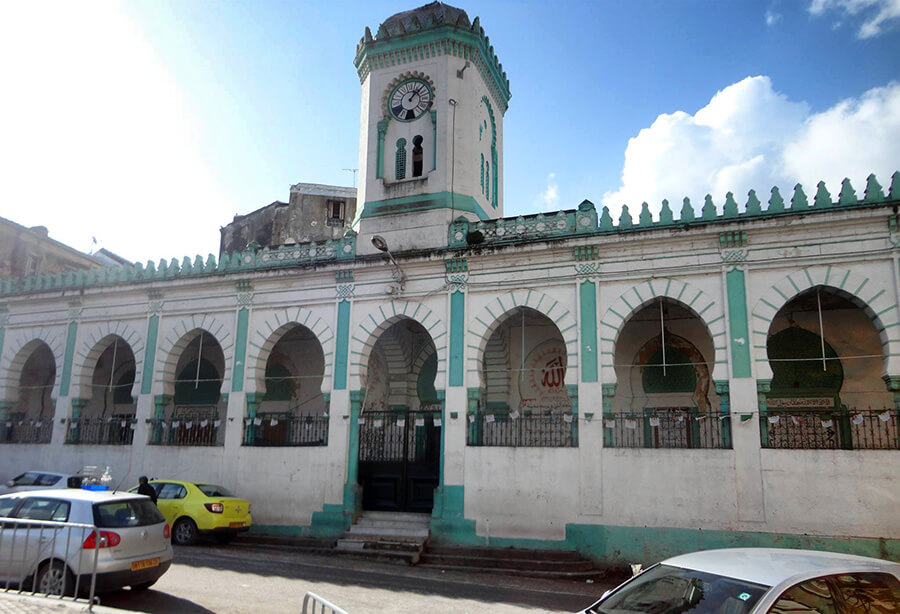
{"type": "Point", "coordinates": [750, 136]}
{"type": "Point", "coordinates": [877, 15]}
{"type": "Point", "coordinates": [550, 196]}
{"type": "Point", "coordinates": [772, 17]}
{"type": "Point", "coordinates": [97, 138]}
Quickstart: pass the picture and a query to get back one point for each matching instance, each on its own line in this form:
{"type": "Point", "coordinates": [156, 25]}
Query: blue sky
{"type": "Point", "coordinates": [148, 125]}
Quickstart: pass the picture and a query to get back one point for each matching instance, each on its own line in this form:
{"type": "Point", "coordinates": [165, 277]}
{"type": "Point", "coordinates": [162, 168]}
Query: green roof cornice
{"type": "Point", "coordinates": [465, 41]}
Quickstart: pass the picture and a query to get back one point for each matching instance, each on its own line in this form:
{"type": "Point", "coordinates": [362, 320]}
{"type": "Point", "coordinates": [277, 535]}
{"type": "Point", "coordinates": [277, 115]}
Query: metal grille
{"type": "Point", "coordinates": [534, 430]}
{"type": "Point", "coordinates": [671, 427]}
{"type": "Point", "coordinates": [398, 436]}
{"type": "Point", "coordinates": [283, 429]}
{"type": "Point", "coordinates": [17, 429]}
{"type": "Point", "coordinates": [872, 429]}
{"type": "Point", "coordinates": [114, 430]}
{"type": "Point", "coordinates": [190, 425]}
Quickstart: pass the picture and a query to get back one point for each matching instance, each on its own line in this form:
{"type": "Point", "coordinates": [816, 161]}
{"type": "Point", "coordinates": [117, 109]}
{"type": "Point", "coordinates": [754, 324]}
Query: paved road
{"type": "Point", "coordinates": [240, 579]}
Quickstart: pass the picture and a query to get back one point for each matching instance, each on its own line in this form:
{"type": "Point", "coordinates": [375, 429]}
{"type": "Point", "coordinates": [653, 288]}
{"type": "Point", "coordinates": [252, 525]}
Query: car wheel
{"type": "Point", "coordinates": [142, 586]}
{"type": "Point", "coordinates": [185, 532]}
{"type": "Point", "coordinates": [54, 578]}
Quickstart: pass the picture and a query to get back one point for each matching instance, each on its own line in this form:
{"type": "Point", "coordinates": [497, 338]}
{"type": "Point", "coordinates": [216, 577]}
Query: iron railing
{"type": "Point", "coordinates": [113, 430]}
{"type": "Point", "coordinates": [313, 604]}
{"type": "Point", "coordinates": [18, 430]}
{"type": "Point", "coordinates": [189, 425]}
{"type": "Point", "coordinates": [283, 429]}
{"type": "Point", "coordinates": [410, 436]}
{"type": "Point", "coordinates": [528, 430]}
{"type": "Point", "coordinates": [30, 548]}
{"type": "Point", "coordinates": [847, 429]}
{"type": "Point", "coordinates": [671, 427]}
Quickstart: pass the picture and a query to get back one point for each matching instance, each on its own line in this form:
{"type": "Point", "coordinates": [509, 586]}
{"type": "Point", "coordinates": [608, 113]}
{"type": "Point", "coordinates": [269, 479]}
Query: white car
{"type": "Point", "coordinates": [39, 480]}
{"type": "Point", "coordinates": [48, 542]}
{"type": "Point", "coordinates": [758, 580]}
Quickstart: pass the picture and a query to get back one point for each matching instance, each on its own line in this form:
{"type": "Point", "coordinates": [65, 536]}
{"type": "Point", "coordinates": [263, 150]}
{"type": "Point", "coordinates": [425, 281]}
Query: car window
{"type": "Point", "coordinates": [7, 505]}
{"type": "Point", "coordinates": [868, 592]}
{"type": "Point", "coordinates": [47, 479]}
{"type": "Point", "coordinates": [74, 481]}
{"type": "Point", "coordinates": [29, 478]}
{"type": "Point", "coordinates": [167, 490]}
{"type": "Point", "coordinates": [812, 596]}
{"type": "Point", "coordinates": [664, 589]}
{"type": "Point", "coordinates": [129, 513]}
{"type": "Point", "coordinates": [35, 508]}
{"type": "Point", "coordinates": [211, 490]}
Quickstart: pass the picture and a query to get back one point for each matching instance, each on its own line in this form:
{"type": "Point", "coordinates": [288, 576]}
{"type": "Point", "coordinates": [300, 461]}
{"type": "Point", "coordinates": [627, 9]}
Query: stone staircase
{"type": "Point", "coordinates": [561, 564]}
{"type": "Point", "coordinates": [390, 536]}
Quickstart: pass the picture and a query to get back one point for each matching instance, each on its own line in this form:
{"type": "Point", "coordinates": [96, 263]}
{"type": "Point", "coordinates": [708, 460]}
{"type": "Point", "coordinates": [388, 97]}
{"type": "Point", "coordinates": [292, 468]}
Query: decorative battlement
{"type": "Point", "coordinates": [238, 262]}
{"type": "Point", "coordinates": [428, 31]}
{"type": "Point", "coordinates": [584, 220]}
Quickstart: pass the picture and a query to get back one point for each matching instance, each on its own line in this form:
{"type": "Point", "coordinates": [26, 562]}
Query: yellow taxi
{"type": "Point", "coordinates": [195, 508]}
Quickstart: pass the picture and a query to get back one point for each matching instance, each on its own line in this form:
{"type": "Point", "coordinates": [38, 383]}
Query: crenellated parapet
{"type": "Point", "coordinates": [584, 220]}
{"type": "Point", "coordinates": [428, 31]}
{"type": "Point", "coordinates": [238, 262]}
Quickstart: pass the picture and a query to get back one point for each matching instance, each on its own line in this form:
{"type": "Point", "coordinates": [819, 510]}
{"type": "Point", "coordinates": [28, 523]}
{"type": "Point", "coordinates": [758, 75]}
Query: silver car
{"type": "Point", "coordinates": [757, 580]}
{"type": "Point", "coordinates": [40, 480]}
{"type": "Point", "coordinates": [52, 540]}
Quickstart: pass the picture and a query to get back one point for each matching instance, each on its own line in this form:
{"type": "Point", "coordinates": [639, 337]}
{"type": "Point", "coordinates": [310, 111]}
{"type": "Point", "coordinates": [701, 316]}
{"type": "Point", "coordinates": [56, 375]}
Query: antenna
{"type": "Point", "coordinates": [354, 171]}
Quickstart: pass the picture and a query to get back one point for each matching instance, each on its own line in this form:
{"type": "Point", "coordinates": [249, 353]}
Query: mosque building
{"type": "Point", "coordinates": [715, 374]}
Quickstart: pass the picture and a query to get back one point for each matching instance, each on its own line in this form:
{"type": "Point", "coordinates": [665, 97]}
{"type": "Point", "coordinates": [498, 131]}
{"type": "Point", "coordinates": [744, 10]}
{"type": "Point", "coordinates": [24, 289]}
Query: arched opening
{"type": "Point", "coordinates": [525, 401]}
{"type": "Point", "coordinates": [107, 416]}
{"type": "Point", "coordinates": [293, 410]}
{"type": "Point", "coordinates": [400, 422]}
{"type": "Point", "coordinates": [827, 389]}
{"type": "Point", "coordinates": [31, 420]}
{"type": "Point", "coordinates": [194, 416]}
{"type": "Point", "coordinates": [665, 397]}
{"type": "Point", "coordinates": [417, 156]}
{"type": "Point", "coordinates": [400, 160]}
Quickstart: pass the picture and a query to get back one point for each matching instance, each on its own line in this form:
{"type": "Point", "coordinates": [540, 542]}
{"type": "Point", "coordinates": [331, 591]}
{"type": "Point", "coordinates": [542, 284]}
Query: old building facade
{"type": "Point", "coordinates": [628, 388]}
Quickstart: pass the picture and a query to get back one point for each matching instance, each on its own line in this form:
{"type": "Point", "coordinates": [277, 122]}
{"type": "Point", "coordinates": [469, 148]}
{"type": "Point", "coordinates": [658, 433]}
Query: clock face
{"type": "Point", "coordinates": [410, 100]}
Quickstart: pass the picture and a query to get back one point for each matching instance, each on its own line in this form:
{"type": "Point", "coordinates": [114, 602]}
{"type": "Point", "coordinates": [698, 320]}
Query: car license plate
{"type": "Point", "coordinates": [145, 564]}
{"type": "Point", "coordinates": [236, 525]}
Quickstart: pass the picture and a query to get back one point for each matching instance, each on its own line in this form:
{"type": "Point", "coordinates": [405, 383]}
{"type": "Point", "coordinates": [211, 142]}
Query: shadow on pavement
{"type": "Point", "coordinates": [341, 570]}
{"type": "Point", "coordinates": [152, 601]}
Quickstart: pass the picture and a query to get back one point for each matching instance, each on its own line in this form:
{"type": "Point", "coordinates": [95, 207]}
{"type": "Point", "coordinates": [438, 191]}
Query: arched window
{"type": "Point", "coordinates": [400, 160]}
{"type": "Point", "coordinates": [417, 156]}
{"type": "Point", "coordinates": [482, 173]}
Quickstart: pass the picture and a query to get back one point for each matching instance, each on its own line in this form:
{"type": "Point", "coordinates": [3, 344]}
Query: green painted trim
{"type": "Point", "coordinates": [424, 202]}
{"type": "Point", "coordinates": [2, 337]}
{"type": "Point", "coordinates": [433, 139]}
{"type": "Point", "coordinates": [67, 361]}
{"type": "Point", "coordinates": [342, 346]}
{"type": "Point", "coordinates": [330, 522]}
{"type": "Point", "coordinates": [738, 323]}
{"type": "Point", "coordinates": [379, 162]}
{"type": "Point", "coordinates": [588, 295]}
{"type": "Point", "coordinates": [356, 398]}
{"type": "Point", "coordinates": [150, 354]}
{"type": "Point", "coordinates": [457, 337]}
{"type": "Point", "coordinates": [240, 350]}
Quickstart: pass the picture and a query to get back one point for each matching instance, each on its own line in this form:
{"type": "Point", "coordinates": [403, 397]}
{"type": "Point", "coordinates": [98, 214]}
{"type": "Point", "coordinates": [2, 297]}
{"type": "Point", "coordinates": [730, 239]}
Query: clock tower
{"type": "Point", "coordinates": [431, 128]}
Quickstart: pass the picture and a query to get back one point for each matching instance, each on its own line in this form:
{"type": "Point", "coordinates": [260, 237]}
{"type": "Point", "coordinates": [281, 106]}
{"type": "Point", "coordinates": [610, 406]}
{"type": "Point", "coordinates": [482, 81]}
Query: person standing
{"type": "Point", "coordinates": [144, 488]}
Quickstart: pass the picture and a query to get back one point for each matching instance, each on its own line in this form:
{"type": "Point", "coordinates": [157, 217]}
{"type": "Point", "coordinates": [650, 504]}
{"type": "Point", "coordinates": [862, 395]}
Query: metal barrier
{"type": "Point", "coordinates": [39, 557]}
{"type": "Point", "coordinates": [668, 427]}
{"type": "Point", "coordinates": [311, 600]}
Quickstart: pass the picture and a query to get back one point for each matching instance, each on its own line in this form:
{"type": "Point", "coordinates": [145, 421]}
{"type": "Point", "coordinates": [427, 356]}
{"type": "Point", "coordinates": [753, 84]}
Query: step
{"type": "Point", "coordinates": [505, 553]}
{"type": "Point", "coordinates": [391, 524]}
{"type": "Point", "coordinates": [409, 517]}
{"type": "Point", "coordinates": [381, 554]}
{"type": "Point", "coordinates": [429, 558]}
{"type": "Point", "coordinates": [361, 543]}
{"type": "Point", "coordinates": [528, 573]}
{"type": "Point", "coordinates": [414, 533]}
{"type": "Point", "coordinates": [285, 541]}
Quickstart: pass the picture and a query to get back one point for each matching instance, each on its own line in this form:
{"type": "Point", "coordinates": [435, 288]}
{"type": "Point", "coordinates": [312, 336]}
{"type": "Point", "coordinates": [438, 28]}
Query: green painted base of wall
{"type": "Point", "coordinates": [352, 505]}
{"type": "Point", "coordinates": [330, 522]}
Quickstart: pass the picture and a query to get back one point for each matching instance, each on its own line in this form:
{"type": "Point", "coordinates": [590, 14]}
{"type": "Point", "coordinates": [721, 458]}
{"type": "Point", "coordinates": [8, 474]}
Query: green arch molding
{"type": "Point", "coordinates": [877, 302]}
{"type": "Point", "coordinates": [483, 325]}
{"type": "Point", "coordinates": [425, 382]}
{"type": "Point", "coordinates": [803, 379]}
{"type": "Point", "coordinates": [492, 179]}
{"type": "Point", "coordinates": [695, 300]}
